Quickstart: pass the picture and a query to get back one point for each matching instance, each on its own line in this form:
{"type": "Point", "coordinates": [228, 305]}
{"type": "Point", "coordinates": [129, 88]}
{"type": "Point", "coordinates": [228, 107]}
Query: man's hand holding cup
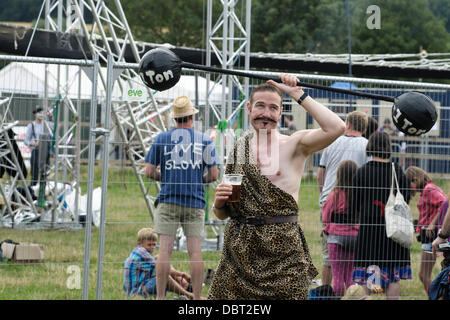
{"type": "Point", "coordinates": [229, 190]}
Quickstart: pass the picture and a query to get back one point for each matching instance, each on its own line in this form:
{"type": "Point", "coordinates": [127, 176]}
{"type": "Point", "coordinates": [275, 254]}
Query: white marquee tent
{"type": "Point", "coordinates": [29, 78]}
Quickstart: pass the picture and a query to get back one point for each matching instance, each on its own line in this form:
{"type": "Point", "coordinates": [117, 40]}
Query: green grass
{"type": "Point", "coordinates": [126, 214]}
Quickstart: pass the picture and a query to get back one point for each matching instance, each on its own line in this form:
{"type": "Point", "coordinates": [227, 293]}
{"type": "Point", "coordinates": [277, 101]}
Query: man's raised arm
{"type": "Point", "coordinates": [331, 126]}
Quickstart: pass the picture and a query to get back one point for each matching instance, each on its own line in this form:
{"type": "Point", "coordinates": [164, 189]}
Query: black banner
{"type": "Point", "coordinates": [50, 44]}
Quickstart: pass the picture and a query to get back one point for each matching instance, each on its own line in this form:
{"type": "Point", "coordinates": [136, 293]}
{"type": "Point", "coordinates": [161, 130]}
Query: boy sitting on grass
{"type": "Point", "coordinates": [139, 270]}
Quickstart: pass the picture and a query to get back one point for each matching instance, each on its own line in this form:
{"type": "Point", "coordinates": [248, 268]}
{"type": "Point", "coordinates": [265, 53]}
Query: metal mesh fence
{"type": "Point", "coordinates": [136, 120]}
{"type": "Point", "coordinates": [43, 191]}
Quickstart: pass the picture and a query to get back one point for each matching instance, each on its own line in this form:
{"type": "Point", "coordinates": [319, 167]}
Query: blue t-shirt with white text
{"type": "Point", "coordinates": [182, 154]}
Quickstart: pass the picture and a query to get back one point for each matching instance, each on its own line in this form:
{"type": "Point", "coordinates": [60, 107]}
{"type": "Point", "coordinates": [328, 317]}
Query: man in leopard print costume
{"type": "Point", "coordinates": [265, 254]}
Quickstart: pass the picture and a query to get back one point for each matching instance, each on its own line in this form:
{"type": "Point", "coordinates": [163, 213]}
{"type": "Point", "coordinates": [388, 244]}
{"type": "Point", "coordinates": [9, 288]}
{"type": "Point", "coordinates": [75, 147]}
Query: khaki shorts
{"type": "Point", "coordinates": [169, 216]}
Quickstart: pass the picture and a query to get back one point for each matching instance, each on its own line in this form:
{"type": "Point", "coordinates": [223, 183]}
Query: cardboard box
{"type": "Point", "coordinates": [8, 250]}
{"type": "Point", "coordinates": [23, 252]}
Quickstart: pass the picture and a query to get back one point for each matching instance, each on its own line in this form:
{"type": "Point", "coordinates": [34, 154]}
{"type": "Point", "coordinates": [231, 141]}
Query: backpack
{"type": "Point", "coordinates": [439, 288]}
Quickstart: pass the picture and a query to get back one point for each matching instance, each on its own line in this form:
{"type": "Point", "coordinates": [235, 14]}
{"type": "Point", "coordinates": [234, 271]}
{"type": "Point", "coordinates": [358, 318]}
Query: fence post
{"type": "Point", "coordinates": [101, 245]}
{"type": "Point", "coordinates": [90, 180]}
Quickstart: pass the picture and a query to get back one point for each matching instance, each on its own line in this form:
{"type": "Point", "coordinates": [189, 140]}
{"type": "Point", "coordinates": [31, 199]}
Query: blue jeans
{"type": "Point", "coordinates": [150, 286]}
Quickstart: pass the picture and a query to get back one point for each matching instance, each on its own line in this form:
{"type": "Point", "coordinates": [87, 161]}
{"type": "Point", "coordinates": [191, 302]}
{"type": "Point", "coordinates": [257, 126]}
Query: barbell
{"type": "Point", "coordinates": [413, 112]}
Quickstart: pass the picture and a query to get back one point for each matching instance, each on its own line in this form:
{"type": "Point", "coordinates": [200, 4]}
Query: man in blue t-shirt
{"type": "Point", "coordinates": [183, 160]}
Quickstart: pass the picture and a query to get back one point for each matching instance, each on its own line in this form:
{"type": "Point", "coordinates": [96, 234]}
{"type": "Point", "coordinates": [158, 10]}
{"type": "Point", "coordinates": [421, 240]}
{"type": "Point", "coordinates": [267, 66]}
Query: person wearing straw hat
{"type": "Point", "coordinates": [183, 159]}
{"type": "Point", "coordinates": [183, 107]}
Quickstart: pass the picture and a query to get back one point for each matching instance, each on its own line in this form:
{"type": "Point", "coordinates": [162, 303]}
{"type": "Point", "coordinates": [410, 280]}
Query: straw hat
{"type": "Point", "coordinates": [182, 107]}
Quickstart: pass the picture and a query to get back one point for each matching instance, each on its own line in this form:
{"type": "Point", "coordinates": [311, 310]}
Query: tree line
{"type": "Point", "coordinates": [285, 26]}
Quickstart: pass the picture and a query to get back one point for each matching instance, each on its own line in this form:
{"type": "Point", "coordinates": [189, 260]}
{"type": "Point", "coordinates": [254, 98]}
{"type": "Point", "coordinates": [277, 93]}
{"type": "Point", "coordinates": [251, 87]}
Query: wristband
{"type": "Point", "coordinates": [442, 236]}
{"type": "Point", "coordinates": [302, 98]}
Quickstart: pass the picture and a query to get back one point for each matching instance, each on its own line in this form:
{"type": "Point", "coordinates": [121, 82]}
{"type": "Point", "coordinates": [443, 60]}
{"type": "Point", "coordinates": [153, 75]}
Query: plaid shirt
{"type": "Point", "coordinates": [139, 268]}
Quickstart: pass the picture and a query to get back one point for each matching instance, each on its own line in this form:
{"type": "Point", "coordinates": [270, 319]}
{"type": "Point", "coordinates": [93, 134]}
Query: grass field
{"type": "Point", "coordinates": [60, 275]}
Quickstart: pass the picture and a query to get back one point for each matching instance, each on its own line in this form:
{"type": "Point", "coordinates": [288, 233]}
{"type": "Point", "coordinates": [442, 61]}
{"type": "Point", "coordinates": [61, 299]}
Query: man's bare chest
{"type": "Point", "coordinates": [274, 161]}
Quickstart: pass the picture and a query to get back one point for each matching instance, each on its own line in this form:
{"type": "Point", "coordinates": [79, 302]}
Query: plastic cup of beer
{"type": "Point", "coordinates": [235, 181]}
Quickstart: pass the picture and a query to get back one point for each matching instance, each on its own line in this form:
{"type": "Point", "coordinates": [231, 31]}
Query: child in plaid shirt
{"type": "Point", "coordinates": [139, 269]}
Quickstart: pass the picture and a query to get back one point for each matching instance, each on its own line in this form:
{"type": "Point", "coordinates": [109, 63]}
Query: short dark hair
{"type": "Point", "coordinates": [184, 119]}
{"type": "Point", "coordinates": [39, 109]}
{"type": "Point", "coordinates": [266, 87]}
{"type": "Point", "coordinates": [379, 145]}
{"type": "Point", "coordinates": [372, 126]}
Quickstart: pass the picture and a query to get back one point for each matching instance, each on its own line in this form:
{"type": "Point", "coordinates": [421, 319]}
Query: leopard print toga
{"type": "Point", "coordinates": [261, 262]}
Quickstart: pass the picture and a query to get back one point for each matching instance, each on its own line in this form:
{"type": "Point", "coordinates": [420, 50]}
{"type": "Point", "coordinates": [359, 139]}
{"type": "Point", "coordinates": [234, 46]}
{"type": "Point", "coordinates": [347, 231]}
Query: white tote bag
{"type": "Point", "coordinates": [399, 225]}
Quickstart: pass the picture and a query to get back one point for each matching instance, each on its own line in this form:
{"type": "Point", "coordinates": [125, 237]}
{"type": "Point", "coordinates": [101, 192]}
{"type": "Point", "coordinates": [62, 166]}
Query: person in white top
{"type": "Point", "coordinates": [32, 141]}
{"type": "Point", "coordinates": [350, 146]}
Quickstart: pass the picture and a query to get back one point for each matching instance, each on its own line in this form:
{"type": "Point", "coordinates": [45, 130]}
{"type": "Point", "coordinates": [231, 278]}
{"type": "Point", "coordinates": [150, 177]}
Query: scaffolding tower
{"type": "Point", "coordinates": [228, 38]}
{"type": "Point", "coordinates": [109, 35]}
